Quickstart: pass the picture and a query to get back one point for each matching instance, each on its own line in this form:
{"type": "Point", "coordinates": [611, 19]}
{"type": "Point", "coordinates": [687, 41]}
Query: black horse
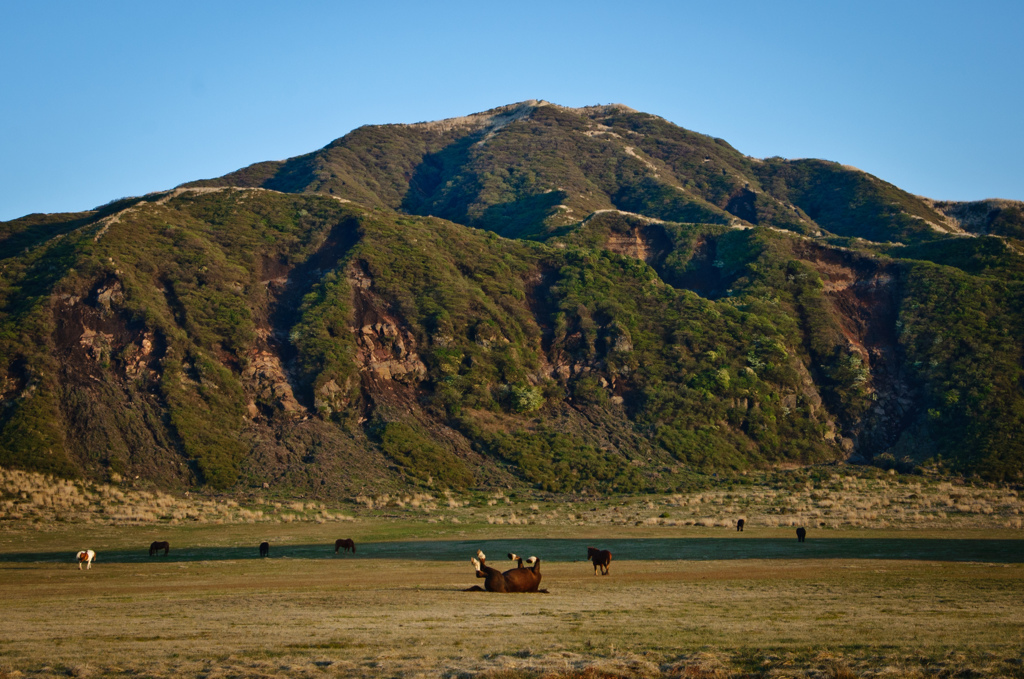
{"type": "Point", "coordinates": [801, 533]}
{"type": "Point", "coordinates": [264, 549]}
{"type": "Point", "coordinates": [157, 546]}
{"type": "Point", "coordinates": [739, 524]}
{"type": "Point", "coordinates": [602, 558]}
{"type": "Point", "coordinates": [347, 544]}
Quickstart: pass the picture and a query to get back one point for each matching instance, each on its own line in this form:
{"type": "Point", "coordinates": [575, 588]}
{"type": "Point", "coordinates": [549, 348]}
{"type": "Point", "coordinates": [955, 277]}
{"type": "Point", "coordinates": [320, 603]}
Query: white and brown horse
{"type": "Point", "coordinates": [86, 556]}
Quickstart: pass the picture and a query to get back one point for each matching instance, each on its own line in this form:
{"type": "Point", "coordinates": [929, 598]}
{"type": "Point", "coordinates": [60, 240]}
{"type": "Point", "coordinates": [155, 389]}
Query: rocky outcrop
{"type": "Point", "coordinates": [268, 381]}
{"type": "Point", "coordinates": [332, 398]}
{"type": "Point", "coordinates": [388, 353]}
{"type": "Point", "coordinates": [385, 349]}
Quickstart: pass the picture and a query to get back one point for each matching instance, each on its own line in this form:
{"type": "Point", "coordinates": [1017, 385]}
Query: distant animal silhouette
{"type": "Point", "coordinates": [801, 533]}
{"type": "Point", "coordinates": [602, 558]}
{"type": "Point", "coordinates": [86, 556]}
{"type": "Point", "coordinates": [157, 546]}
{"type": "Point", "coordinates": [347, 543]}
{"type": "Point", "coordinates": [264, 549]}
{"type": "Point", "coordinates": [739, 524]}
{"type": "Point", "coordinates": [520, 579]}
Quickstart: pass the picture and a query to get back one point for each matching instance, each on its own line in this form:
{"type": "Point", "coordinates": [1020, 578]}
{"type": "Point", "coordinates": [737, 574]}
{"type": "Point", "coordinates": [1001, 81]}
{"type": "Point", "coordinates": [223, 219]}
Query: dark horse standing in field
{"type": "Point", "coordinates": [739, 524]}
{"type": "Point", "coordinates": [602, 558]}
{"type": "Point", "coordinates": [521, 579]}
{"type": "Point", "coordinates": [801, 533]}
{"type": "Point", "coordinates": [157, 546]}
{"type": "Point", "coordinates": [347, 543]}
{"type": "Point", "coordinates": [264, 549]}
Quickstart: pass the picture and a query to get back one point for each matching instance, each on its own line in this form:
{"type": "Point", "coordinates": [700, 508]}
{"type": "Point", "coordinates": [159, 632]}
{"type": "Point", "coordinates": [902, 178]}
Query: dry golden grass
{"type": "Point", "coordinates": [843, 501]}
{"type": "Point", "coordinates": [383, 618]}
{"type": "Point", "coordinates": [688, 595]}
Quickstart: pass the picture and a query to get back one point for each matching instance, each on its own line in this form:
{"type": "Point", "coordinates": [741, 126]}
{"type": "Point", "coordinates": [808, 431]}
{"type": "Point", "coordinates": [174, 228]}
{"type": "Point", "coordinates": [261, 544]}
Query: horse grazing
{"type": "Point", "coordinates": [157, 546]}
{"type": "Point", "coordinates": [86, 556]}
{"type": "Point", "coordinates": [264, 549]}
{"type": "Point", "coordinates": [602, 558]}
{"type": "Point", "coordinates": [347, 543]}
{"type": "Point", "coordinates": [739, 525]}
{"type": "Point", "coordinates": [520, 579]}
{"type": "Point", "coordinates": [801, 533]}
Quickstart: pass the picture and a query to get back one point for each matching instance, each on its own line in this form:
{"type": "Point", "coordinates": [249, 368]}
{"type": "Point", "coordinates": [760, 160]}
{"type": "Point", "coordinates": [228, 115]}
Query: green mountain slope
{"type": "Point", "coordinates": [525, 169]}
{"type": "Point", "coordinates": [574, 300]}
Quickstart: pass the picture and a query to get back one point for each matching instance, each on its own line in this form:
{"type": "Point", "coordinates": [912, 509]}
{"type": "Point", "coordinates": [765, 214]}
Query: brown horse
{"type": "Point", "coordinates": [347, 543]}
{"type": "Point", "coordinates": [601, 557]}
{"type": "Point", "coordinates": [524, 578]}
{"type": "Point", "coordinates": [157, 546]}
{"type": "Point", "coordinates": [264, 549]}
{"type": "Point", "coordinates": [521, 579]}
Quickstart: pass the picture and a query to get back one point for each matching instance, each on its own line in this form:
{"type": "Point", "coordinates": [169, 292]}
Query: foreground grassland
{"type": "Point", "coordinates": [900, 576]}
{"type": "Point", "coordinates": [680, 602]}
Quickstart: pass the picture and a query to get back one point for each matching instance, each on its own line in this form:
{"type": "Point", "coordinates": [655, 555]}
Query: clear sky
{"type": "Point", "coordinates": [100, 100]}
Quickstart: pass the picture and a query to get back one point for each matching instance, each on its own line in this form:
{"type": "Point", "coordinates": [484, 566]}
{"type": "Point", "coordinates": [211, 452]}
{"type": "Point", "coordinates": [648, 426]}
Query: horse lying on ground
{"type": "Point", "coordinates": [86, 556]}
{"type": "Point", "coordinates": [521, 579]}
{"type": "Point", "coordinates": [157, 546]}
{"type": "Point", "coordinates": [347, 543]}
{"type": "Point", "coordinates": [264, 549]}
{"type": "Point", "coordinates": [601, 557]}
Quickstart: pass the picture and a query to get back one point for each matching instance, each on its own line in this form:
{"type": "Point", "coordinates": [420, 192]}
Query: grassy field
{"type": "Point", "coordinates": [680, 602]}
{"type": "Point", "coordinates": [900, 576]}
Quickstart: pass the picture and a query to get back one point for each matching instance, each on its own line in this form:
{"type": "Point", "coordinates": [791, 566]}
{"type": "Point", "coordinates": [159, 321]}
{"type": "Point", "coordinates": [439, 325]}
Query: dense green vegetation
{"type": "Point", "coordinates": [962, 340]}
{"type": "Point", "coordinates": [389, 334]}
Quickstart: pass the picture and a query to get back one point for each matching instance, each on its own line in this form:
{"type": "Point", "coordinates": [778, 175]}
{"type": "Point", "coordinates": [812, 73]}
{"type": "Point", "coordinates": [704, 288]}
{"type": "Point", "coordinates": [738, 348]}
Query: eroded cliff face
{"type": "Point", "coordinates": [864, 296]}
{"type": "Point", "coordinates": [386, 348]}
{"type": "Point", "coordinates": [647, 243]}
{"type": "Point", "coordinates": [109, 369]}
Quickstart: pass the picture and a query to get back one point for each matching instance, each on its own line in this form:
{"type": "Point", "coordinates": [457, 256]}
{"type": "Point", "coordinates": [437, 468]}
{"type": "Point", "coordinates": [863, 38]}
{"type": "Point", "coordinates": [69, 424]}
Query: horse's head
{"type": "Point", "coordinates": [592, 552]}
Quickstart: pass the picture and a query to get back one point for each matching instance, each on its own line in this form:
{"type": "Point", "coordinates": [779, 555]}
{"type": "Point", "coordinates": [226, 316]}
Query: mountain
{"type": "Point", "coordinates": [570, 299]}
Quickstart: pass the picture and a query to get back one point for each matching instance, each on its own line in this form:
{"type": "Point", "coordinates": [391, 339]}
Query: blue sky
{"type": "Point", "coordinates": [110, 99]}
